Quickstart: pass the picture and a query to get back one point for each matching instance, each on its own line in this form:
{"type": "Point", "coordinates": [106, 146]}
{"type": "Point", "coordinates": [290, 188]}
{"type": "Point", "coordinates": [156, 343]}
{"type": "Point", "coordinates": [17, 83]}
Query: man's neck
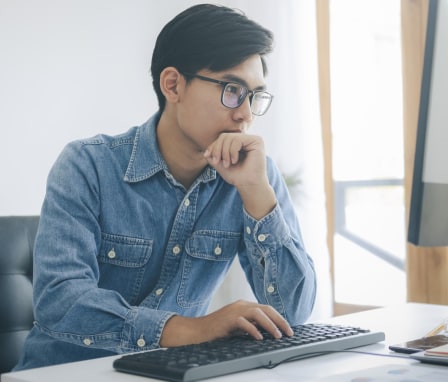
{"type": "Point", "coordinates": [184, 161]}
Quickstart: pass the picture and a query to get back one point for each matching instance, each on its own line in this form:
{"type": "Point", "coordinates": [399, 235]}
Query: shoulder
{"type": "Point", "coordinates": [104, 141]}
{"type": "Point", "coordinates": [113, 143]}
{"type": "Point", "coordinates": [94, 154]}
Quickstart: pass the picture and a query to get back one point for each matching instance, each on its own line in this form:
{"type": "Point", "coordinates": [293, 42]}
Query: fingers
{"type": "Point", "coordinates": [259, 319]}
{"type": "Point", "coordinates": [248, 327]}
{"type": "Point", "coordinates": [228, 148]}
{"type": "Point", "coordinates": [264, 317]}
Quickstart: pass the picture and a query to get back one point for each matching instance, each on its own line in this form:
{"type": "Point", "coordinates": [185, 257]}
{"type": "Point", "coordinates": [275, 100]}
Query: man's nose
{"type": "Point", "coordinates": [244, 112]}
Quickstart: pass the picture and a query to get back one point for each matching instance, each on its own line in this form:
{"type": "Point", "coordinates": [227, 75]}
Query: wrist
{"type": "Point", "coordinates": [258, 201]}
{"type": "Point", "coordinates": [181, 330]}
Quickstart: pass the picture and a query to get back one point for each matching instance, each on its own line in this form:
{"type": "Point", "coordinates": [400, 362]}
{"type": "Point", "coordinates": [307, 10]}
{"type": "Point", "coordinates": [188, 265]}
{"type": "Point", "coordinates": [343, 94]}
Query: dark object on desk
{"type": "Point", "coordinates": [432, 359]}
{"type": "Point", "coordinates": [234, 354]}
{"type": "Point", "coordinates": [17, 234]}
{"type": "Point", "coordinates": [420, 344]}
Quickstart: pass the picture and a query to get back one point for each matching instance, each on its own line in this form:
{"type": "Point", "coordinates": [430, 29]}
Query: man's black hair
{"type": "Point", "coordinates": [209, 37]}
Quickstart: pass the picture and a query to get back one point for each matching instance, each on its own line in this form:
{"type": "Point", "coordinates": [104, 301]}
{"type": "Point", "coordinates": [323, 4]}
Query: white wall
{"type": "Point", "coordinates": [68, 69]}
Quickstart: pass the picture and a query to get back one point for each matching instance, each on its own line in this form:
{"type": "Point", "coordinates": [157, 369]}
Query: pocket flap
{"type": "Point", "coordinates": [213, 245]}
{"type": "Point", "coordinates": [124, 251]}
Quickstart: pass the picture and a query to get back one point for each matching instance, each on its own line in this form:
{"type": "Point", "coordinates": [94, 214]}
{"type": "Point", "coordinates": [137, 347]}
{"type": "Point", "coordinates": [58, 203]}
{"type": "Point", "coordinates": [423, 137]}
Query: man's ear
{"type": "Point", "coordinates": [170, 80]}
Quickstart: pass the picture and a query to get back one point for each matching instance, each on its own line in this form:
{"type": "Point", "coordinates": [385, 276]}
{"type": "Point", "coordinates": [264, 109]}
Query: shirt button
{"type": "Point", "coordinates": [159, 291]}
{"type": "Point", "coordinates": [141, 342]}
{"type": "Point", "coordinates": [248, 230]}
{"type": "Point", "coordinates": [111, 254]}
{"type": "Point", "coordinates": [187, 202]}
{"type": "Point", "coordinates": [87, 341]}
{"type": "Point", "coordinates": [261, 237]}
{"type": "Point", "coordinates": [218, 250]}
{"type": "Point", "coordinates": [271, 288]}
{"type": "Point", "coordinates": [176, 249]}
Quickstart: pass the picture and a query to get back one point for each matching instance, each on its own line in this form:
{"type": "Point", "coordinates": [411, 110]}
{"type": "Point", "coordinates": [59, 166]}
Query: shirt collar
{"type": "Point", "coordinates": [146, 159]}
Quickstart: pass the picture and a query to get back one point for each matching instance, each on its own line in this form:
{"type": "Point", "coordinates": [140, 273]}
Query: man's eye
{"type": "Point", "coordinates": [234, 89]}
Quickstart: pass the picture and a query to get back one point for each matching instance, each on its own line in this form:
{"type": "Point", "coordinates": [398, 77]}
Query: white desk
{"type": "Point", "coordinates": [400, 323]}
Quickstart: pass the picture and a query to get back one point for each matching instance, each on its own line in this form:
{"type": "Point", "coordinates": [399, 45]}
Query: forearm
{"type": "Point", "coordinates": [183, 330]}
{"type": "Point", "coordinates": [88, 316]}
{"type": "Point", "coordinates": [280, 271]}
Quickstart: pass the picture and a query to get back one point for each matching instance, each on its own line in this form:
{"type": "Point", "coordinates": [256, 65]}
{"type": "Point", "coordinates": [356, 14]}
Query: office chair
{"type": "Point", "coordinates": [17, 234]}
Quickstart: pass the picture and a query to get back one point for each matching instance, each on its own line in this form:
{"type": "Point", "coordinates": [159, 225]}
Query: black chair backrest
{"type": "Point", "coordinates": [17, 235]}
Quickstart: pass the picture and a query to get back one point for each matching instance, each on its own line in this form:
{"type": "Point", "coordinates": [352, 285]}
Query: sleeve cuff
{"type": "Point", "coordinates": [270, 230]}
{"type": "Point", "coordinates": [143, 328]}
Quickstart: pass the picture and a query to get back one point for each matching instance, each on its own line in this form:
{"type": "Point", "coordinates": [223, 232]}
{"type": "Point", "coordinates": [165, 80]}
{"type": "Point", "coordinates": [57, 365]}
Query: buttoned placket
{"type": "Point", "coordinates": [182, 228]}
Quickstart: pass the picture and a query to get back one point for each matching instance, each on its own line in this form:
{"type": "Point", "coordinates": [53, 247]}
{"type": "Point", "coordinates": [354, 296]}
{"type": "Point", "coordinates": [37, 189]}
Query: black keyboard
{"type": "Point", "coordinates": [234, 354]}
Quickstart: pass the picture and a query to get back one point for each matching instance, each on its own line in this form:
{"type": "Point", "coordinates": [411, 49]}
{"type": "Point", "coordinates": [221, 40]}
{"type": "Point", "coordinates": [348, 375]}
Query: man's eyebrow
{"type": "Point", "coordinates": [239, 80]}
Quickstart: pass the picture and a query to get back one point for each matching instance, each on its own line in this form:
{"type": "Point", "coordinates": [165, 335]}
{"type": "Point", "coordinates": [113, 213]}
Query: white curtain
{"type": "Point", "coordinates": [74, 68]}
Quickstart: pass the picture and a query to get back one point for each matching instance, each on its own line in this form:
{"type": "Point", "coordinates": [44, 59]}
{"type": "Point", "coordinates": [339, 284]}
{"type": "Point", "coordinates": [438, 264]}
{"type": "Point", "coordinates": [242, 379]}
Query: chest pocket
{"type": "Point", "coordinates": [122, 261]}
{"type": "Point", "coordinates": [209, 256]}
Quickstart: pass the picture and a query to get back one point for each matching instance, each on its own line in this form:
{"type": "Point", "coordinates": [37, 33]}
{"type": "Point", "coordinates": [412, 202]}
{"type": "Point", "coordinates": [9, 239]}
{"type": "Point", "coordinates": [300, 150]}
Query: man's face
{"type": "Point", "coordinates": [201, 115]}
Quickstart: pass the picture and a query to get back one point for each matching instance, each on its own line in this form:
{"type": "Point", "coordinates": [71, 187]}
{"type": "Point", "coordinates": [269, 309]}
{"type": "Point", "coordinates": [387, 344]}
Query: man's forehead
{"type": "Point", "coordinates": [249, 73]}
{"type": "Point", "coordinates": [260, 85]}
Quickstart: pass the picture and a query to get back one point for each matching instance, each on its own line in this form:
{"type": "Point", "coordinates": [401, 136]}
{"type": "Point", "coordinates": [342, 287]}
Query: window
{"type": "Point", "coordinates": [367, 162]}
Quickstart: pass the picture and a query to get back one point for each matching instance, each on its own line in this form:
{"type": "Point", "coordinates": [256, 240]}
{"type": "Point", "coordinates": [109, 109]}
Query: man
{"type": "Point", "coordinates": [138, 230]}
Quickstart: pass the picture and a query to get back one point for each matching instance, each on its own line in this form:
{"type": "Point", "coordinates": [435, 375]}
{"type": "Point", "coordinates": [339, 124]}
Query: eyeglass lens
{"type": "Point", "coordinates": [260, 103]}
{"type": "Point", "coordinates": [233, 96]}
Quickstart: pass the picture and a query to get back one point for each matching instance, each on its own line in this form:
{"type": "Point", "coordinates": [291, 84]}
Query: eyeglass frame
{"type": "Point", "coordinates": [224, 84]}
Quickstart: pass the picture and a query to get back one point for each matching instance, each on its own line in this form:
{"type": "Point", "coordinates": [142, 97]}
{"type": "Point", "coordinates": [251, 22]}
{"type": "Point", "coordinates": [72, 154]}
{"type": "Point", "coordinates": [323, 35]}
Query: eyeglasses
{"type": "Point", "coordinates": [233, 95]}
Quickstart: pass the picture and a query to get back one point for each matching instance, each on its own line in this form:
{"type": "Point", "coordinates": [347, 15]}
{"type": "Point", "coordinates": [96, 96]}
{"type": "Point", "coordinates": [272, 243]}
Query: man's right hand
{"type": "Point", "coordinates": [238, 317]}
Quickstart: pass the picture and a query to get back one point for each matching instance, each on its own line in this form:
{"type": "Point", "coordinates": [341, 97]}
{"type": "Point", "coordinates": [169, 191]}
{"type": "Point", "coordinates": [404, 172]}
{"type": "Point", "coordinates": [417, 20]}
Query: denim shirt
{"type": "Point", "coordinates": [122, 247]}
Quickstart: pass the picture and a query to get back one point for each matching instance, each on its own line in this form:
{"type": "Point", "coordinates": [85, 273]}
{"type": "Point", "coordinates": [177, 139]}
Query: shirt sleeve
{"type": "Point", "coordinates": [278, 268]}
{"type": "Point", "coordinates": [69, 305]}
